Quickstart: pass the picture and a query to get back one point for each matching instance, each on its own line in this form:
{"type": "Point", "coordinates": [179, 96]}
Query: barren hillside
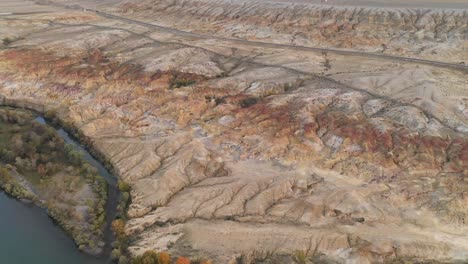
{"type": "Point", "coordinates": [411, 30]}
{"type": "Point", "coordinates": [249, 152]}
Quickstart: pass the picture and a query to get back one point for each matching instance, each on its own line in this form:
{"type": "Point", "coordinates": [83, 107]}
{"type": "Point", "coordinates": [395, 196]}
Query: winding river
{"type": "Point", "coordinates": [28, 234]}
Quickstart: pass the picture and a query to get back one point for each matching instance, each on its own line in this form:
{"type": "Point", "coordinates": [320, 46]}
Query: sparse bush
{"type": "Point", "coordinates": [301, 257]}
{"type": "Point", "coordinates": [201, 260]}
{"type": "Point", "coordinates": [123, 186]}
{"type": "Point", "coordinates": [219, 101]}
{"type": "Point", "coordinates": [181, 83]}
{"type": "Point", "coordinates": [11, 186]}
{"type": "Point", "coordinates": [123, 204]}
{"type": "Point", "coordinates": [51, 115]}
{"type": "Point", "coordinates": [116, 254]}
{"type": "Point", "coordinates": [149, 257]}
{"type": "Point", "coordinates": [248, 102]}
{"type": "Point", "coordinates": [178, 81]}
{"type": "Point", "coordinates": [222, 75]}
{"type": "Point", "coordinates": [7, 155]}
{"type": "Point", "coordinates": [326, 63]}
{"type": "Point", "coordinates": [75, 157]}
{"type": "Point", "coordinates": [123, 260]}
{"type": "Point", "coordinates": [287, 87]}
{"type": "Point", "coordinates": [7, 41]}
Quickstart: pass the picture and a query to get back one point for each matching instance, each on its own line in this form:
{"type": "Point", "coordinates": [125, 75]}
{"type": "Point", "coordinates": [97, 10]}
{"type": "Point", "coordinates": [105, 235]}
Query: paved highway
{"type": "Point", "coordinates": [286, 46]}
{"type": "Point", "coordinates": [462, 67]}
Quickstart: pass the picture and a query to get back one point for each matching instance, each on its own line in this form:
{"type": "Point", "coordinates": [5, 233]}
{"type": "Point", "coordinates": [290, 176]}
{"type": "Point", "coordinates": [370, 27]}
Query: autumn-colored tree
{"type": "Point", "coordinates": [183, 260]}
{"type": "Point", "coordinates": [164, 258]}
{"type": "Point", "coordinates": [118, 226]}
{"type": "Point", "coordinates": [149, 257]}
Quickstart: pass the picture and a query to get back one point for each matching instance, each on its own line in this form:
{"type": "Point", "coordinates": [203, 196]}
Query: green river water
{"type": "Point", "coordinates": [29, 236]}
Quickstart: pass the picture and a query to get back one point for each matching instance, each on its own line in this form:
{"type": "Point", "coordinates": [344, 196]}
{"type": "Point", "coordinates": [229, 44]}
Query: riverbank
{"type": "Point", "coordinates": [29, 236]}
{"type": "Point", "coordinates": [70, 188]}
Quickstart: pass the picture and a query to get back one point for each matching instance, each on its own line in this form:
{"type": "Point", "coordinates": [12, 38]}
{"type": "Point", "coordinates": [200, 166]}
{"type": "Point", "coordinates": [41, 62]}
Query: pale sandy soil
{"type": "Point", "coordinates": [23, 7]}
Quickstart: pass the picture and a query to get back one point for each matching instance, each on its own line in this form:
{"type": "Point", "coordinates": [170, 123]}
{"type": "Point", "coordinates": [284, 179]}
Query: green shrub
{"type": "Point", "coordinates": [50, 114]}
{"type": "Point", "coordinates": [75, 157]}
{"type": "Point", "coordinates": [123, 260]}
{"type": "Point", "coordinates": [248, 102]}
{"type": "Point", "coordinates": [301, 257]}
{"type": "Point", "coordinates": [116, 254]}
{"type": "Point", "coordinates": [177, 83]}
{"type": "Point", "coordinates": [7, 41]}
{"type": "Point", "coordinates": [149, 257]}
{"type": "Point", "coordinates": [123, 186]}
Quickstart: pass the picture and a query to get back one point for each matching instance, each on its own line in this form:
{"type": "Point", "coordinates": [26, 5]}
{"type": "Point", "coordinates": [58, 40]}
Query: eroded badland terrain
{"type": "Point", "coordinates": [240, 142]}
